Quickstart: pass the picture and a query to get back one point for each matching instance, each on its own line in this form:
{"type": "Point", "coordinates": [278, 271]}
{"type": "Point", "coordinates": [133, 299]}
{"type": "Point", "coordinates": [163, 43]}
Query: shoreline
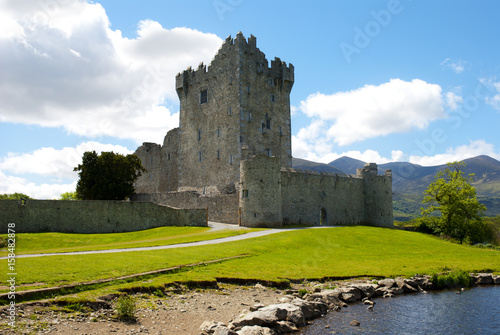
{"type": "Point", "coordinates": [221, 308]}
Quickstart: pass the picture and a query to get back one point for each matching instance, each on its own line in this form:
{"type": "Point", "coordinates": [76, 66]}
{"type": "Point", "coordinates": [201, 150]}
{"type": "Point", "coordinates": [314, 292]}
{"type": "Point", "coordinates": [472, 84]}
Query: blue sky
{"type": "Point", "coordinates": [379, 81]}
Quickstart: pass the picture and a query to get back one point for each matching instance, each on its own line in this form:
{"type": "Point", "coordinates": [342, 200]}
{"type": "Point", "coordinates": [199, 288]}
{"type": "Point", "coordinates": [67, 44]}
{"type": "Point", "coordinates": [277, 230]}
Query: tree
{"type": "Point", "coordinates": [68, 196]}
{"type": "Point", "coordinates": [108, 176]}
{"type": "Point", "coordinates": [14, 196]}
{"type": "Point", "coordinates": [455, 198]}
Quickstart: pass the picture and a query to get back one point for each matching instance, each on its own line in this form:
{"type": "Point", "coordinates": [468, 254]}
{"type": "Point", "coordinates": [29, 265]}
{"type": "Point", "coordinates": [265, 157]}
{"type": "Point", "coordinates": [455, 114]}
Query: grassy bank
{"type": "Point", "coordinates": [312, 253]}
{"type": "Point", "coordinates": [34, 243]}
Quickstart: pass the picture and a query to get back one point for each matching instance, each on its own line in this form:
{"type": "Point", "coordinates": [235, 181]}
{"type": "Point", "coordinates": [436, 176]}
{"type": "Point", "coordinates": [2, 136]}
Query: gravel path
{"type": "Point", "coordinates": [213, 225]}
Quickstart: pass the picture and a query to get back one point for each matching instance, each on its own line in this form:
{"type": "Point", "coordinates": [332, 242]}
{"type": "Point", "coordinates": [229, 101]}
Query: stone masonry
{"type": "Point", "coordinates": [232, 151]}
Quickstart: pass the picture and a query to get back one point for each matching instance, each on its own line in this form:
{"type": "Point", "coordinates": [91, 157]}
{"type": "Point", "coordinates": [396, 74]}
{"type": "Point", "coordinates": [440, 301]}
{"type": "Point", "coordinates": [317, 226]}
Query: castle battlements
{"type": "Point", "coordinates": [232, 151]}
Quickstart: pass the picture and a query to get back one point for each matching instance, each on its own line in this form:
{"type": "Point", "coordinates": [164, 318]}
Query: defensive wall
{"type": "Point", "coordinates": [90, 216]}
{"type": "Point", "coordinates": [221, 207]}
{"type": "Point", "coordinates": [271, 196]}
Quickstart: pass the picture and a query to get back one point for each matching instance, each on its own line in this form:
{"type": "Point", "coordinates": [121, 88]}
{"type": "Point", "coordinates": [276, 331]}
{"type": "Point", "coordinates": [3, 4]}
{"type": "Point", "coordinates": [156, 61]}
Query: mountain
{"type": "Point", "coordinates": [347, 164]}
{"type": "Point", "coordinates": [410, 180]}
{"type": "Point", "coordinates": [303, 164]}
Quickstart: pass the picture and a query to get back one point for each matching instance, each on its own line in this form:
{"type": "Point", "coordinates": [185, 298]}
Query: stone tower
{"type": "Point", "coordinates": [236, 107]}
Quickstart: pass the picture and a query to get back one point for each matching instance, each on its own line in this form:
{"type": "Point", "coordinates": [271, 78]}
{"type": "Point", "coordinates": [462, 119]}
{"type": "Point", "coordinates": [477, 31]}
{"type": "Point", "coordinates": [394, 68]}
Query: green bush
{"type": "Point", "coordinates": [125, 308]}
{"type": "Point", "coordinates": [452, 279]}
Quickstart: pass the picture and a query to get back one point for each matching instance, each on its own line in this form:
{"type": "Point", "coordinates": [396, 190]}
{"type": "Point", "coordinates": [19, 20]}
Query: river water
{"type": "Point", "coordinates": [474, 311]}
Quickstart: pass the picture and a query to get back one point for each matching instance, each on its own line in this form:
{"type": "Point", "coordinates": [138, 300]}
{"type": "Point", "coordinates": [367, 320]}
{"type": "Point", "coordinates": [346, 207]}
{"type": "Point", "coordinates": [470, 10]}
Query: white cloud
{"type": "Point", "coordinates": [11, 184]}
{"type": "Point", "coordinates": [458, 66]}
{"type": "Point", "coordinates": [495, 100]}
{"type": "Point", "coordinates": [473, 149]}
{"type": "Point", "coordinates": [371, 111]}
{"type": "Point", "coordinates": [62, 65]}
{"type": "Point", "coordinates": [47, 162]}
{"type": "Point", "coordinates": [452, 100]}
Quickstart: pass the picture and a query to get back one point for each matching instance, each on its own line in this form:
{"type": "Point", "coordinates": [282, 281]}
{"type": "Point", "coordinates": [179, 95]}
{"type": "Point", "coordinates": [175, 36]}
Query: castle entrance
{"type": "Point", "coordinates": [323, 219]}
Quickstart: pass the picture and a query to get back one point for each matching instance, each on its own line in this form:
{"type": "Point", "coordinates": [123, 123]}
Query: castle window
{"type": "Point", "coordinates": [199, 134]}
{"type": "Point", "coordinates": [229, 111]}
{"type": "Point", "coordinates": [199, 156]}
{"type": "Point", "coordinates": [273, 98]}
{"type": "Point", "coordinates": [217, 132]}
{"type": "Point", "coordinates": [244, 194]}
{"type": "Point", "coordinates": [268, 123]}
{"type": "Point", "coordinates": [268, 152]}
{"type": "Point", "coordinates": [281, 131]}
{"type": "Point", "coordinates": [168, 157]}
{"type": "Point", "coordinates": [204, 97]}
{"type": "Point", "coordinates": [218, 154]}
{"type": "Point", "coordinates": [263, 127]}
{"type": "Point", "coordinates": [230, 80]}
{"type": "Point", "coordinates": [230, 159]}
{"type": "Point", "coordinates": [248, 89]}
{"type": "Point", "coordinates": [271, 82]}
{"type": "Point", "coordinates": [241, 139]}
{"type": "Point", "coordinates": [249, 116]}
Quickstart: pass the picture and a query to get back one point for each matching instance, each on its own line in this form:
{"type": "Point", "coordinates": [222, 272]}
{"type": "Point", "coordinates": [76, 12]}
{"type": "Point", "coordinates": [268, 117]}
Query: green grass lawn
{"type": "Point", "coordinates": [32, 243]}
{"type": "Point", "coordinates": [312, 253]}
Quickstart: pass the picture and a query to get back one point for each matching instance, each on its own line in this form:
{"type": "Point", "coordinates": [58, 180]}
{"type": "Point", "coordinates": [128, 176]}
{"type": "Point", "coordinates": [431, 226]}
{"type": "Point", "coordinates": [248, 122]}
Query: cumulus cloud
{"type": "Point", "coordinates": [473, 149]}
{"type": "Point", "coordinates": [371, 111]}
{"type": "Point", "coordinates": [63, 66]}
{"type": "Point", "coordinates": [57, 165]}
{"type": "Point", "coordinates": [458, 66]}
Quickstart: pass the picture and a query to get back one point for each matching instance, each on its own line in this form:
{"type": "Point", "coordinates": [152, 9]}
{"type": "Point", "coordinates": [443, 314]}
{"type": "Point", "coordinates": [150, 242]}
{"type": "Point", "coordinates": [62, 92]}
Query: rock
{"type": "Point", "coordinates": [287, 312]}
{"type": "Point", "coordinates": [285, 327]}
{"type": "Point", "coordinates": [403, 285]}
{"type": "Point", "coordinates": [396, 290]}
{"type": "Point", "coordinates": [367, 290]}
{"type": "Point", "coordinates": [329, 297]}
{"type": "Point", "coordinates": [260, 286]}
{"type": "Point", "coordinates": [368, 302]}
{"type": "Point", "coordinates": [484, 279]}
{"type": "Point", "coordinates": [256, 307]}
{"type": "Point", "coordinates": [223, 330]}
{"type": "Point", "coordinates": [257, 318]}
{"type": "Point", "coordinates": [209, 327]}
{"type": "Point", "coordinates": [389, 282]}
{"type": "Point", "coordinates": [349, 294]}
{"type": "Point", "coordinates": [496, 280]}
{"type": "Point", "coordinates": [256, 330]}
{"type": "Point", "coordinates": [311, 309]}
{"type": "Point", "coordinates": [355, 323]}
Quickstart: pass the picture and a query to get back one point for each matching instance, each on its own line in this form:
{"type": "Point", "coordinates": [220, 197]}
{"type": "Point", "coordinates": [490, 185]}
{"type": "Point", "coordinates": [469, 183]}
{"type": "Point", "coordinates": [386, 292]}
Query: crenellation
{"type": "Point", "coordinates": [232, 151]}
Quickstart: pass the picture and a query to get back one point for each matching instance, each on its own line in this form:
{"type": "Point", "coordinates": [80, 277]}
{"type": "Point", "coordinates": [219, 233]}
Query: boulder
{"type": "Point", "coordinates": [496, 280]}
{"type": "Point", "coordinates": [367, 290]}
{"type": "Point", "coordinates": [287, 312]}
{"type": "Point", "coordinates": [257, 318]}
{"type": "Point", "coordinates": [311, 309]}
{"type": "Point", "coordinates": [329, 297]}
{"type": "Point", "coordinates": [285, 327]}
{"type": "Point", "coordinates": [256, 330]}
{"type": "Point", "coordinates": [208, 327]}
{"type": "Point", "coordinates": [484, 279]}
{"type": "Point", "coordinates": [348, 294]}
{"type": "Point", "coordinates": [388, 282]}
{"type": "Point", "coordinates": [223, 330]}
{"type": "Point", "coordinates": [404, 285]}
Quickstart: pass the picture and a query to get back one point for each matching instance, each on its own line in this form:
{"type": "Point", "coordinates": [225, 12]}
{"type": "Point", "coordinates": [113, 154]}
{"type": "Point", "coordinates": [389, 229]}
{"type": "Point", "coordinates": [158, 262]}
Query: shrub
{"type": "Point", "coordinates": [452, 279]}
{"type": "Point", "coordinates": [302, 292]}
{"type": "Point", "coordinates": [125, 308]}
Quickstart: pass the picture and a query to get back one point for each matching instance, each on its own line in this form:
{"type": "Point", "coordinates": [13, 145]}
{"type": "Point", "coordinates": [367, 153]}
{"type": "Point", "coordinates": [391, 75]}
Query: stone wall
{"type": "Point", "coordinates": [271, 196]}
{"type": "Point", "coordinates": [321, 199]}
{"type": "Point", "coordinates": [94, 216]}
{"type": "Point", "coordinates": [221, 207]}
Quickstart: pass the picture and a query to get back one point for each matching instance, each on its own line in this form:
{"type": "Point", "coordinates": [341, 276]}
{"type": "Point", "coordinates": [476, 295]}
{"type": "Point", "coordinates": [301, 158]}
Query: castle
{"type": "Point", "coordinates": [232, 152]}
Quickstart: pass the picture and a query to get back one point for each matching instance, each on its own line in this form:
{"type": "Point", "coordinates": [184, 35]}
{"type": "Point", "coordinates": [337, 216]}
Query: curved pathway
{"type": "Point", "coordinates": [213, 225]}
